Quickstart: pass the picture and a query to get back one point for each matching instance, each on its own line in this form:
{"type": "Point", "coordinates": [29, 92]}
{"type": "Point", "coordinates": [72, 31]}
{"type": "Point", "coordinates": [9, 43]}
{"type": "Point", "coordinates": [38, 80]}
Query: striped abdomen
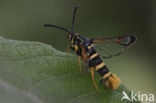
{"type": "Point", "coordinates": [96, 62]}
{"type": "Point", "coordinates": [109, 80]}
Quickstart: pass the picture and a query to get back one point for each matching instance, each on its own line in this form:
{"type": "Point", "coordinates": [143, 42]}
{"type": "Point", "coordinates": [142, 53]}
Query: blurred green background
{"type": "Point", "coordinates": [24, 20]}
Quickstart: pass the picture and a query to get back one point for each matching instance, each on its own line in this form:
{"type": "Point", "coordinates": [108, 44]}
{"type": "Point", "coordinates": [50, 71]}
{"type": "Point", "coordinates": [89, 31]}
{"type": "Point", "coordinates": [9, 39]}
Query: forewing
{"type": "Point", "coordinates": [114, 46]}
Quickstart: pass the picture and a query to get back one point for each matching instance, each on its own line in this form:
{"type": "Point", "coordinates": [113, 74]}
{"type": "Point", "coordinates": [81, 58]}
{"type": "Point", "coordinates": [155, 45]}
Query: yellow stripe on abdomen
{"type": "Point", "coordinates": [99, 66]}
{"type": "Point", "coordinates": [106, 75]}
{"type": "Point", "coordinates": [92, 56]}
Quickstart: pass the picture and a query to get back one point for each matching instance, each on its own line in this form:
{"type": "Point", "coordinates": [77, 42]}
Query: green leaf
{"type": "Point", "coordinates": [33, 72]}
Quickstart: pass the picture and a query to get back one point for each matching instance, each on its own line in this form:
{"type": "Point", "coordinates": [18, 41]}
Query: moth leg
{"type": "Point", "coordinates": [92, 75]}
{"type": "Point", "coordinates": [68, 49]}
{"type": "Point", "coordinates": [79, 60]}
{"type": "Point", "coordinates": [85, 58]}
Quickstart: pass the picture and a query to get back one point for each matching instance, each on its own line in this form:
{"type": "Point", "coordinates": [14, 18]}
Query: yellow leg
{"type": "Point", "coordinates": [68, 49]}
{"type": "Point", "coordinates": [79, 60]}
{"type": "Point", "coordinates": [92, 74]}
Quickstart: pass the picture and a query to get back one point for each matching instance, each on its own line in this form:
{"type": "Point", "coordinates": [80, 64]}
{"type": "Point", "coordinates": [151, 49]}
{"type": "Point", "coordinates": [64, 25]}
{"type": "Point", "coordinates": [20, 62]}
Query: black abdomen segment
{"type": "Point", "coordinates": [96, 62]}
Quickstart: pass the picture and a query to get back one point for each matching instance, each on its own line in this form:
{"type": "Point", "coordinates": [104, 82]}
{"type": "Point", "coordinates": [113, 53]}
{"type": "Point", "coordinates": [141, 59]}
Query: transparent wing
{"type": "Point", "coordinates": [114, 46]}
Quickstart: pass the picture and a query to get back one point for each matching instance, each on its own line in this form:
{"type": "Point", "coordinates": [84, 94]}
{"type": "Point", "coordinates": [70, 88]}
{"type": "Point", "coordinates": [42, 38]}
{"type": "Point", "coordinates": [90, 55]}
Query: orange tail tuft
{"type": "Point", "coordinates": [111, 82]}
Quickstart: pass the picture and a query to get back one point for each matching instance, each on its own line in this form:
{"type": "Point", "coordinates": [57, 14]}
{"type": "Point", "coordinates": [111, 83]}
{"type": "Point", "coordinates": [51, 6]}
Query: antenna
{"type": "Point", "coordinates": [58, 27]}
{"type": "Point", "coordinates": [72, 27]}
